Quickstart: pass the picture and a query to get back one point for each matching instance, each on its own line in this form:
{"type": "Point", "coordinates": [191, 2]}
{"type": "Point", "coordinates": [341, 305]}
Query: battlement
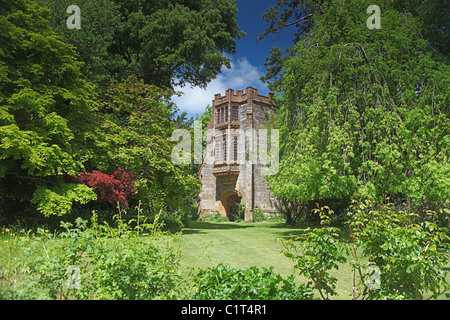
{"type": "Point", "coordinates": [240, 96]}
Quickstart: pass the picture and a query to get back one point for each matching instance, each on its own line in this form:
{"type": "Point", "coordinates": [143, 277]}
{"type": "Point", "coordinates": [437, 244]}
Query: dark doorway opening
{"type": "Point", "coordinates": [232, 206]}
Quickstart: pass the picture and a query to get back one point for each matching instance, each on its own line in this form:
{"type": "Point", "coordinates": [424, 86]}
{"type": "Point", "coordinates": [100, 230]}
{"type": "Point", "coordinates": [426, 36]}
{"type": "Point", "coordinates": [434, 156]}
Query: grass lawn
{"type": "Point", "coordinates": [207, 244]}
{"type": "Point", "coordinates": [243, 245]}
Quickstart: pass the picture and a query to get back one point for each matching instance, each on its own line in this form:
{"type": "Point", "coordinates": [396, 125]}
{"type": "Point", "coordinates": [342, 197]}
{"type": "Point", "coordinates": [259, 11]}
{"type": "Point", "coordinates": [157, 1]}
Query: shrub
{"type": "Point", "coordinates": [258, 215]}
{"type": "Point", "coordinates": [110, 188]}
{"type": "Point", "coordinates": [216, 217]}
{"type": "Point", "coordinates": [98, 262]}
{"type": "Point", "coordinates": [240, 214]}
{"type": "Point", "coordinates": [409, 254]}
{"type": "Point", "coordinates": [319, 253]}
{"type": "Point", "coordinates": [225, 283]}
{"type": "Point", "coordinates": [172, 223]}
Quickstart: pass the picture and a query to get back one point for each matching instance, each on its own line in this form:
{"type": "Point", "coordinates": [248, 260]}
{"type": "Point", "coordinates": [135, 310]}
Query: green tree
{"type": "Point", "coordinates": [44, 102]}
{"type": "Point", "coordinates": [99, 20]}
{"type": "Point", "coordinates": [298, 16]}
{"type": "Point", "coordinates": [363, 111]}
{"type": "Point", "coordinates": [133, 130]}
{"type": "Point", "coordinates": [163, 42]}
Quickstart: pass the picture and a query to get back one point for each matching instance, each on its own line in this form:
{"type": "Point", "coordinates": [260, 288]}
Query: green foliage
{"type": "Point", "coordinates": [99, 20]}
{"type": "Point", "coordinates": [58, 201]}
{"type": "Point", "coordinates": [298, 17]}
{"type": "Point", "coordinates": [133, 132]}
{"type": "Point", "coordinates": [98, 261]}
{"type": "Point", "coordinates": [363, 111]}
{"type": "Point", "coordinates": [258, 215]}
{"type": "Point", "coordinates": [240, 214]}
{"type": "Point", "coordinates": [319, 253]}
{"type": "Point", "coordinates": [291, 209]}
{"type": "Point", "coordinates": [408, 249]}
{"type": "Point", "coordinates": [164, 43]}
{"type": "Point", "coordinates": [216, 217]}
{"type": "Point", "coordinates": [225, 283]}
{"type": "Point", "coordinates": [171, 222]}
{"type": "Point", "coordinates": [44, 102]}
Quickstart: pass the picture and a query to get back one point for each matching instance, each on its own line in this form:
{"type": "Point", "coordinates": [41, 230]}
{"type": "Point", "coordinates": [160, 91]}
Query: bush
{"type": "Point", "coordinates": [225, 283]}
{"type": "Point", "coordinates": [240, 214]}
{"type": "Point", "coordinates": [408, 253]}
{"type": "Point", "coordinates": [110, 188]}
{"type": "Point", "coordinates": [170, 222]}
{"type": "Point", "coordinates": [96, 262]}
{"type": "Point", "coordinates": [216, 217]}
{"type": "Point", "coordinates": [319, 253]}
{"type": "Point", "coordinates": [258, 215]}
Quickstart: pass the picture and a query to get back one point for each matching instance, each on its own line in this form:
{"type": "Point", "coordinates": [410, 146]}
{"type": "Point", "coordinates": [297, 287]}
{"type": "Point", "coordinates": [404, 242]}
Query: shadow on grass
{"type": "Point", "coordinates": [199, 226]}
{"type": "Point", "coordinates": [283, 231]}
{"type": "Point", "coordinates": [299, 231]}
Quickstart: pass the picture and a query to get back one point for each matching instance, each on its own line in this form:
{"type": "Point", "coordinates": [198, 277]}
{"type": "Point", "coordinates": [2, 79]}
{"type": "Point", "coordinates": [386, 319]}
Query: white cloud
{"type": "Point", "coordinates": [241, 75]}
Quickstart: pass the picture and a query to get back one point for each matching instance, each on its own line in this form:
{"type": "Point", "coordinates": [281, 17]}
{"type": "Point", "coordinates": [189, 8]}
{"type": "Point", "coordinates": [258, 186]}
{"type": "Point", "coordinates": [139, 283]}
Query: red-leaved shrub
{"type": "Point", "coordinates": [110, 188]}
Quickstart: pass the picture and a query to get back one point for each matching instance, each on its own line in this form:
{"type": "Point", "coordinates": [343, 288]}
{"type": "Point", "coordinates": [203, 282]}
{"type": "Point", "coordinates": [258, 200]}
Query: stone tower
{"type": "Point", "coordinates": [229, 176]}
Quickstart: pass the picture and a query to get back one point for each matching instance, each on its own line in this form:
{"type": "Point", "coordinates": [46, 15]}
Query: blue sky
{"type": "Point", "coordinates": [247, 64]}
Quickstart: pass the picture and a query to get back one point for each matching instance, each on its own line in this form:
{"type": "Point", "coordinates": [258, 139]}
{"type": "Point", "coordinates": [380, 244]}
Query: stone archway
{"type": "Point", "coordinates": [229, 201]}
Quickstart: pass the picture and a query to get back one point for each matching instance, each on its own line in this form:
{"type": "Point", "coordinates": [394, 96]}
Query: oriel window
{"type": "Point", "coordinates": [226, 114]}
{"type": "Point", "coordinates": [235, 149]}
{"type": "Point", "coordinates": [235, 114]}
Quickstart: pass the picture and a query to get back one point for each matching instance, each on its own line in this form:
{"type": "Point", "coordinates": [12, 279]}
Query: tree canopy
{"type": "Point", "coordinates": [43, 103]}
{"type": "Point", "coordinates": [298, 17]}
{"type": "Point", "coordinates": [166, 43]}
{"type": "Point", "coordinates": [93, 115]}
{"type": "Point", "coordinates": [363, 111]}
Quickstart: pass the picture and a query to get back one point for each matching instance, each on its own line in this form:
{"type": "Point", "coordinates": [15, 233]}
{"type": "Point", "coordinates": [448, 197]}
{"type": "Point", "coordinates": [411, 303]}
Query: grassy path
{"type": "Point", "coordinates": [240, 245]}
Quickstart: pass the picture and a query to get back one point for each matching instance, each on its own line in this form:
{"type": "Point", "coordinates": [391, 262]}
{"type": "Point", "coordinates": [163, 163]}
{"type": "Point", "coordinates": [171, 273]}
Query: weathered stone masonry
{"type": "Point", "coordinates": [227, 173]}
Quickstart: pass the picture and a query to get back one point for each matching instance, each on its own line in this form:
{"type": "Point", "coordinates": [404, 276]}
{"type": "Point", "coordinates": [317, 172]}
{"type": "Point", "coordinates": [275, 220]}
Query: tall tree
{"type": "Point", "coordinates": [363, 111]}
{"type": "Point", "coordinates": [133, 131]}
{"type": "Point", "coordinates": [99, 20]}
{"type": "Point", "coordinates": [163, 42]}
{"type": "Point", "coordinates": [298, 16]}
{"type": "Point", "coordinates": [43, 106]}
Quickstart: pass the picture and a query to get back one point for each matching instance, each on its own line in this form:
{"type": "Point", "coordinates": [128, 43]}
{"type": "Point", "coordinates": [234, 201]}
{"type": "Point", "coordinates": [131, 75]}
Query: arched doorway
{"type": "Point", "coordinates": [229, 201]}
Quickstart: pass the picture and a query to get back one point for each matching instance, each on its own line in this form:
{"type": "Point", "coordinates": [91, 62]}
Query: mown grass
{"type": "Point", "coordinates": [207, 244]}
{"type": "Point", "coordinates": [242, 245]}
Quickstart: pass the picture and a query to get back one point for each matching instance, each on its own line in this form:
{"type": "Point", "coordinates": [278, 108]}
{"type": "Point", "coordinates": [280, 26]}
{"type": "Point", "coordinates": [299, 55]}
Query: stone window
{"type": "Point", "coordinates": [235, 114]}
{"type": "Point", "coordinates": [224, 150]}
{"type": "Point", "coordinates": [217, 151]}
{"type": "Point", "coordinates": [235, 149]}
{"type": "Point", "coordinates": [226, 114]}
